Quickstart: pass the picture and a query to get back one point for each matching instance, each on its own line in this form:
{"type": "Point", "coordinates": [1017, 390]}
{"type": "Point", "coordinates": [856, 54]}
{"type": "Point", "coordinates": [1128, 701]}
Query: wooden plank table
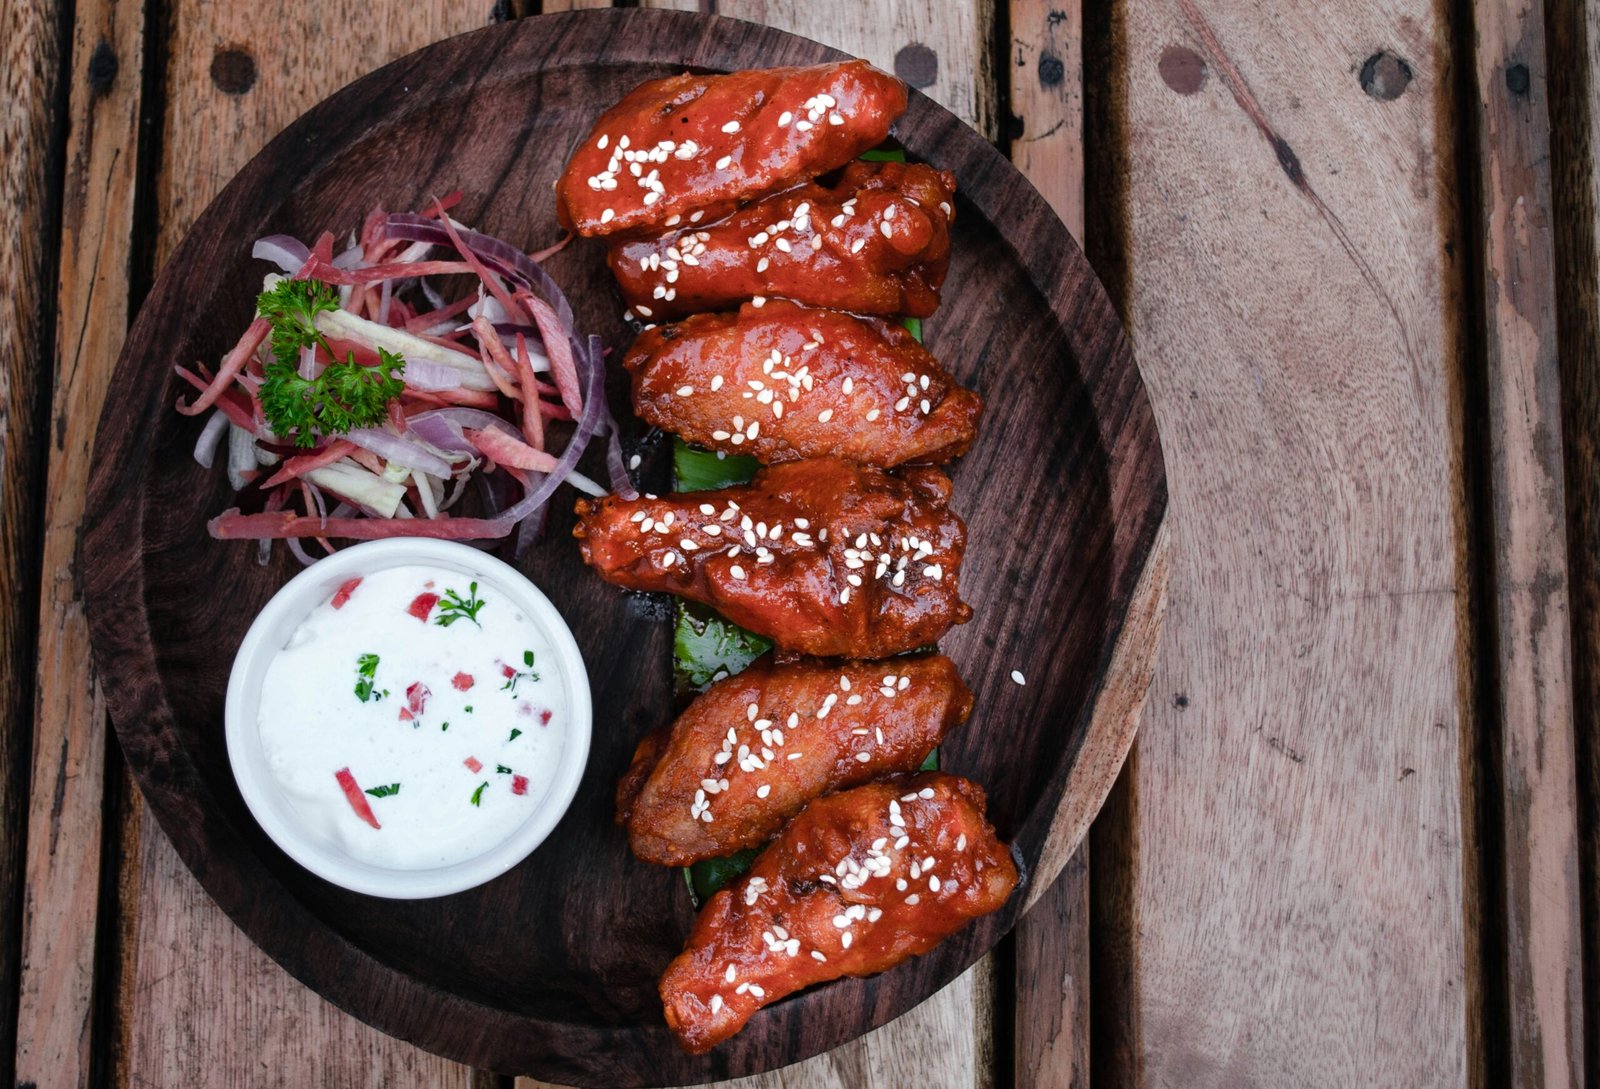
{"type": "Point", "coordinates": [1358, 842]}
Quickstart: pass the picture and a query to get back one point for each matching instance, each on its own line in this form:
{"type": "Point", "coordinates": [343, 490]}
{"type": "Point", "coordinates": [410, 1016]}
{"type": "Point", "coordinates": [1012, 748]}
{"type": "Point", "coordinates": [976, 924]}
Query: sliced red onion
{"type": "Point", "coordinates": [298, 551]}
{"type": "Point", "coordinates": [241, 456]}
{"type": "Point", "coordinates": [285, 251]}
{"type": "Point", "coordinates": [439, 433]}
{"type": "Point", "coordinates": [308, 362]}
{"type": "Point", "coordinates": [350, 258]}
{"type": "Point", "coordinates": [426, 375]}
{"type": "Point", "coordinates": [399, 450]}
{"type": "Point", "coordinates": [205, 447]}
{"type": "Point", "coordinates": [385, 300]}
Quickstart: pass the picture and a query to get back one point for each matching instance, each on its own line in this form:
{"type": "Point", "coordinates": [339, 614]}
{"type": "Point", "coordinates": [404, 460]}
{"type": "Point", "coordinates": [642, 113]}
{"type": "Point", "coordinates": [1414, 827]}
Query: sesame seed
{"type": "Point", "coordinates": [961, 842]}
{"type": "Point", "coordinates": [816, 954]}
{"type": "Point", "coordinates": [1016, 675]}
{"type": "Point", "coordinates": [684, 391]}
{"type": "Point", "coordinates": [845, 940]}
{"type": "Point", "coordinates": [884, 228]}
{"type": "Point", "coordinates": [803, 126]}
{"type": "Point", "coordinates": [855, 247]}
{"type": "Point", "coordinates": [736, 571]}
{"type": "Point", "coordinates": [605, 138]}
{"type": "Point", "coordinates": [716, 383]}
{"type": "Point", "coordinates": [873, 415]}
{"type": "Point", "coordinates": [608, 215]}
{"type": "Point", "coordinates": [758, 301]}
{"type": "Point", "coordinates": [731, 127]}
{"type": "Point", "coordinates": [913, 900]}
{"type": "Point", "coordinates": [644, 311]}
{"type": "Point", "coordinates": [863, 756]}
{"type": "Point", "coordinates": [761, 265]}
{"type": "Point", "coordinates": [724, 162]}
{"type": "Point", "coordinates": [933, 883]}
{"type": "Point", "coordinates": [674, 219]}
{"type": "Point", "coordinates": [784, 118]}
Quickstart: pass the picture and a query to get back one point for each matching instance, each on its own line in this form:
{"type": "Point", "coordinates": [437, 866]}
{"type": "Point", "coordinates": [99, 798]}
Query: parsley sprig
{"type": "Point", "coordinates": [345, 395]}
{"type": "Point", "coordinates": [454, 607]}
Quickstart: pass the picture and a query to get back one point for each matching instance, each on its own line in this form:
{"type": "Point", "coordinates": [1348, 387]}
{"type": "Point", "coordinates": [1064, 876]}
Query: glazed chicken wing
{"type": "Point", "coordinates": [781, 382]}
{"type": "Point", "coordinates": [878, 242]}
{"type": "Point", "coordinates": [857, 883]}
{"type": "Point", "coordinates": [825, 557]}
{"type": "Point", "coordinates": [690, 148]}
{"type": "Point", "coordinates": [755, 748]}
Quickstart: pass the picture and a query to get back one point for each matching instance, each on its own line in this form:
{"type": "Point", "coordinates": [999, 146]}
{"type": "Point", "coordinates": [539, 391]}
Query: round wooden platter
{"type": "Point", "coordinates": [551, 969]}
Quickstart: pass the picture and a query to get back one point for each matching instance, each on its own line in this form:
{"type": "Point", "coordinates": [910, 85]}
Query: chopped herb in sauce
{"type": "Point", "coordinates": [366, 670]}
{"type": "Point", "coordinates": [454, 607]}
{"type": "Point", "coordinates": [515, 677]}
{"type": "Point", "coordinates": [477, 795]}
{"type": "Point", "coordinates": [502, 769]}
{"type": "Point", "coordinates": [384, 791]}
{"type": "Point", "coordinates": [515, 733]}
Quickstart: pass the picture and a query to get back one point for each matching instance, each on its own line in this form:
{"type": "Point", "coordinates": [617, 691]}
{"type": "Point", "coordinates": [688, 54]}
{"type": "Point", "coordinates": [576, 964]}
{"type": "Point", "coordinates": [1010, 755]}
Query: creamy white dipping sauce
{"type": "Point", "coordinates": [444, 731]}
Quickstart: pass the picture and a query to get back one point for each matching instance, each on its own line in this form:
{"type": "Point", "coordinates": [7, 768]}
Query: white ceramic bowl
{"type": "Point", "coordinates": [270, 805]}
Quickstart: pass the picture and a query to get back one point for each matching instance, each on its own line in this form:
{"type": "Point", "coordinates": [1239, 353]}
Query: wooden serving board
{"type": "Point", "coordinates": [551, 969]}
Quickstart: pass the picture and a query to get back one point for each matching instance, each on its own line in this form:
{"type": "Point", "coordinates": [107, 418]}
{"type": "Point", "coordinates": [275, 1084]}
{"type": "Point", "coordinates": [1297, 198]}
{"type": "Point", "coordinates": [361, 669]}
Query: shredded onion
{"type": "Point", "coordinates": [398, 450]}
{"type": "Point", "coordinates": [285, 251]}
{"type": "Point", "coordinates": [205, 448]}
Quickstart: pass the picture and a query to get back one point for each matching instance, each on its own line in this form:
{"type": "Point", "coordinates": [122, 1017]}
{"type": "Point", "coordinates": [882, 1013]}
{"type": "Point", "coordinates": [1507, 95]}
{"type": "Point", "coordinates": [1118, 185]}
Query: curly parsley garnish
{"type": "Point", "coordinates": [454, 607]}
{"type": "Point", "coordinates": [366, 672]}
{"type": "Point", "coordinates": [345, 395]}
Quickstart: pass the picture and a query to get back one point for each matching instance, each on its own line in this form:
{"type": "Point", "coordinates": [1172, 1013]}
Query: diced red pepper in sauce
{"type": "Point", "coordinates": [342, 594]}
{"type": "Point", "coordinates": [544, 717]}
{"type": "Point", "coordinates": [406, 715]}
{"type": "Point", "coordinates": [417, 697]}
{"type": "Point", "coordinates": [357, 800]}
{"type": "Point", "coordinates": [508, 671]}
{"type": "Point", "coordinates": [474, 765]}
{"type": "Point", "coordinates": [462, 681]}
{"type": "Point", "coordinates": [422, 605]}
{"type": "Point", "coordinates": [519, 784]}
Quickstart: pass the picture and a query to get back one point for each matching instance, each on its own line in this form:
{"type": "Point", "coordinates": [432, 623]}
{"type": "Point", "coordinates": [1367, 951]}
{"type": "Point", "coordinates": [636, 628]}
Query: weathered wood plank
{"type": "Point", "coordinates": [1046, 82]}
{"type": "Point", "coordinates": [1296, 821]}
{"type": "Point", "coordinates": [236, 74]}
{"type": "Point", "coordinates": [1574, 89]}
{"type": "Point", "coordinates": [942, 50]}
{"type": "Point", "coordinates": [61, 910]}
{"type": "Point", "coordinates": [1051, 943]}
{"type": "Point", "coordinates": [30, 133]}
{"type": "Point", "coordinates": [1527, 517]}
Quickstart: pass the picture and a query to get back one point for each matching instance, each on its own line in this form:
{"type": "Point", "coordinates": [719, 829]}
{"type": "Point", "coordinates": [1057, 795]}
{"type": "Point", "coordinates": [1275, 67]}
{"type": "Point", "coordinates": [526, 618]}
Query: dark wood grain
{"type": "Point", "coordinates": [1529, 705]}
{"type": "Point", "coordinates": [1573, 42]}
{"type": "Point", "coordinates": [31, 130]}
{"type": "Point", "coordinates": [551, 969]}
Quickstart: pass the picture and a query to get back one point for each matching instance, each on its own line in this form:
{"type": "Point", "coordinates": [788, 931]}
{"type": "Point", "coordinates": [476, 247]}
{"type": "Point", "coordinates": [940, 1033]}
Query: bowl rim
{"type": "Point", "coordinates": [263, 794]}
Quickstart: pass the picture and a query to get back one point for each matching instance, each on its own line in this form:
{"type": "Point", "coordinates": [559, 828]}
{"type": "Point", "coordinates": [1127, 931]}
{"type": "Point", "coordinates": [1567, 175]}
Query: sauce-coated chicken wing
{"type": "Point", "coordinates": [856, 884]}
{"type": "Point", "coordinates": [754, 749]}
{"type": "Point", "coordinates": [690, 148]}
{"type": "Point", "coordinates": [878, 242]}
{"type": "Point", "coordinates": [782, 382]}
{"type": "Point", "coordinates": [825, 557]}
